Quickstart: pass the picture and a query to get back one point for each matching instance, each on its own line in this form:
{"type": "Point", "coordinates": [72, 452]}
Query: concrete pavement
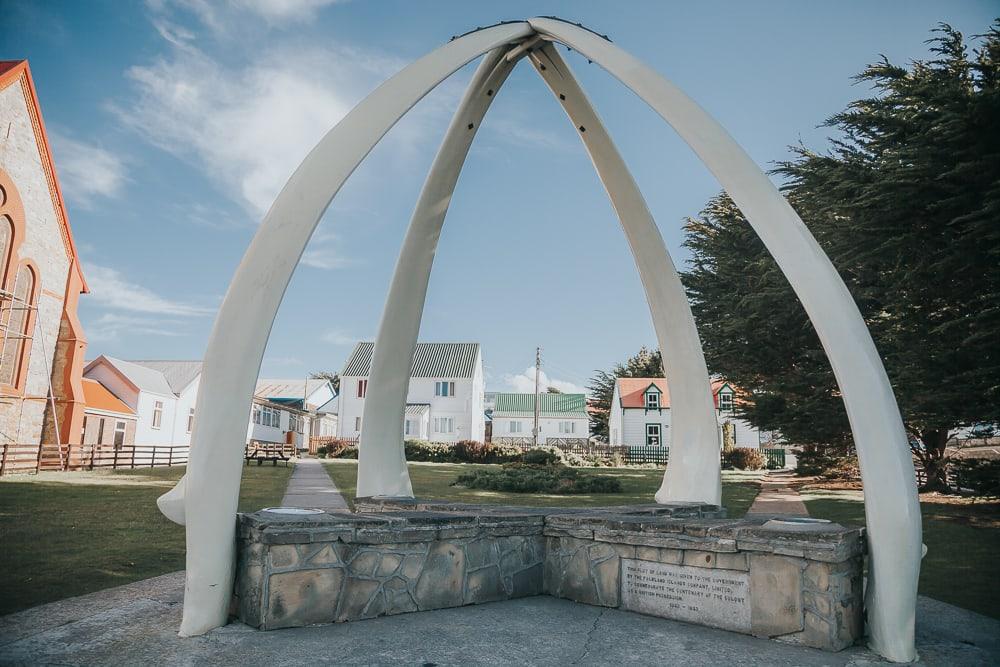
{"type": "Point", "coordinates": [311, 486]}
{"type": "Point", "coordinates": [137, 625]}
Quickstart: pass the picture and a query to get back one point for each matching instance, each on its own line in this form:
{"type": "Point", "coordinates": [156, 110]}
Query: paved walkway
{"type": "Point", "coordinates": [137, 625]}
{"type": "Point", "coordinates": [778, 496]}
{"type": "Point", "coordinates": [310, 486]}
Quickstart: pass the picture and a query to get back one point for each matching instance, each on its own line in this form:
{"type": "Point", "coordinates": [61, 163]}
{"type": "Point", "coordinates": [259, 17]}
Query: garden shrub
{"type": "Point", "coordinates": [543, 456]}
{"type": "Point", "coordinates": [504, 453]}
{"type": "Point", "coordinates": [745, 458]}
{"type": "Point", "coordinates": [528, 478]}
{"type": "Point", "coordinates": [472, 451]}
{"type": "Point", "coordinates": [828, 463]}
{"type": "Point", "coordinates": [434, 452]}
{"type": "Point", "coordinates": [980, 477]}
{"type": "Point", "coordinates": [338, 448]}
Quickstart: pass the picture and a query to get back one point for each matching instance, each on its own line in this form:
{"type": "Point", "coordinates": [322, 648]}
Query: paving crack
{"type": "Point", "coordinates": [590, 637]}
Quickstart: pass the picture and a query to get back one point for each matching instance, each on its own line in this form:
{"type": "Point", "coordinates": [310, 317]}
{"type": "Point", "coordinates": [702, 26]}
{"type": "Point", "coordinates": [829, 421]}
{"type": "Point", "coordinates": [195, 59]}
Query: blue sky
{"type": "Point", "coordinates": [175, 122]}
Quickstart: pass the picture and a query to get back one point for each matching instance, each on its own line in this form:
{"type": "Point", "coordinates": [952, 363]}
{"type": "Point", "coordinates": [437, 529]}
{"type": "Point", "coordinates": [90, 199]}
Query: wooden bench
{"type": "Point", "coordinates": [269, 451]}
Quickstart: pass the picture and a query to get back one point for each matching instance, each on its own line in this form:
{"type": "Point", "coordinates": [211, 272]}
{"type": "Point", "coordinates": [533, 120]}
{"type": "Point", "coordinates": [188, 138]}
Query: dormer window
{"type": "Point", "coordinates": [652, 399]}
{"type": "Point", "coordinates": [725, 401]}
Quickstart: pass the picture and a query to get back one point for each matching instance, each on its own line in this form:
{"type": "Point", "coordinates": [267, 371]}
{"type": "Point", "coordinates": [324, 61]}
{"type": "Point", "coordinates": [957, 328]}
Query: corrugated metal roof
{"type": "Point", "coordinates": [430, 360]}
{"type": "Point", "coordinates": [549, 405]}
{"type": "Point", "coordinates": [288, 388]}
{"type": "Point", "coordinates": [179, 374]}
{"type": "Point", "coordinates": [417, 409]}
{"type": "Point", "coordinates": [146, 379]}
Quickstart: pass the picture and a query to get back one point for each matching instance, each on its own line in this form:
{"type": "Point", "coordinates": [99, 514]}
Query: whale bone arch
{"type": "Point", "coordinates": [694, 449]}
{"type": "Point", "coordinates": [206, 498]}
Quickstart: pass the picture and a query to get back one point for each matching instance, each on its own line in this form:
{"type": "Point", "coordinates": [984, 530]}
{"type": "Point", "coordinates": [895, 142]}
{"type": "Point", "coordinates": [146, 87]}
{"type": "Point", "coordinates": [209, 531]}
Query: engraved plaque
{"type": "Point", "coordinates": [719, 598]}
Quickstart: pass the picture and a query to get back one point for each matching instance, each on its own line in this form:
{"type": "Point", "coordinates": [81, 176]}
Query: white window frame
{"type": "Point", "coordinates": [444, 388]}
{"type": "Point", "coordinates": [567, 427]}
{"type": "Point", "coordinates": [362, 388]}
{"type": "Point", "coordinates": [190, 425]}
{"type": "Point", "coordinates": [157, 415]}
{"type": "Point", "coordinates": [444, 425]}
{"type": "Point", "coordinates": [658, 435]}
{"type": "Point", "coordinates": [652, 400]}
{"type": "Point", "coordinates": [357, 424]}
{"type": "Point", "coordinates": [725, 401]}
{"type": "Point", "coordinates": [515, 427]}
{"type": "Point", "coordinates": [406, 426]}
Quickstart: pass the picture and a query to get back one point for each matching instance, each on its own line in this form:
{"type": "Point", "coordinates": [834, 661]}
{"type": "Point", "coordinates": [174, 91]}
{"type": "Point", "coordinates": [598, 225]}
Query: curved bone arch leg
{"type": "Point", "coordinates": [381, 459]}
{"type": "Point", "coordinates": [239, 336]}
{"type": "Point", "coordinates": [695, 447]}
{"type": "Point", "coordinates": [892, 510]}
{"type": "Point", "coordinates": [693, 473]}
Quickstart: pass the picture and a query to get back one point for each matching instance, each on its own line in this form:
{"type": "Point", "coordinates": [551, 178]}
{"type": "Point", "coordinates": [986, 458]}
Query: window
{"type": "Point", "coordinates": [100, 432]}
{"type": "Point", "coordinates": [256, 414]}
{"type": "Point", "coordinates": [190, 420]}
{"type": "Point", "coordinates": [444, 425]}
{"type": "Point", "coordinates": [362, 388]}
{"type": "Point", "coordinates": [407, 427]}
{"type": "Point", "coordinates": [653, 435]}
{"type": "Point", "coordinates": [157, 414]}
{"type": "Point", "coordinates": [444, 388]}
{"type": "Point", "coordinates": [119, 434]}
{"type": "Point", "coordinates": [652, 400]}
{"type": "Point", "coordinates": [19, 323]}
{"type": "Point", "coordinates": [357, 424]}
{"type": "Point", "coordinates": [515, 427]}
{"type": "Point", "coordinates": [83, 431]}
{"type": "Point", "coordinates": [725, 401]}
{"type": "Point", "coordinates": [567, 427]}
{"type": "Point", "coordinates": [293, 422]}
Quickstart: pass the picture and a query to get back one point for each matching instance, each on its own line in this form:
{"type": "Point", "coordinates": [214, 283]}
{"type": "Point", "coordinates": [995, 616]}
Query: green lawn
{"type": "Point", "coordinates": [433, 480]}
{"type": "Point", "coordinates": [963, 543]}
{"type": "Point", "coordinates": [65, 534]}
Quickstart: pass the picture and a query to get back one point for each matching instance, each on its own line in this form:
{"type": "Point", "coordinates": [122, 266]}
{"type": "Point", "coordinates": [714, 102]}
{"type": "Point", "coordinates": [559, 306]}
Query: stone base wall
{"type": "Point", "coordinates": [798, 583]}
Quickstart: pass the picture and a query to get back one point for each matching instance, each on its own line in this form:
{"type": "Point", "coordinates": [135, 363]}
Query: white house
{"type": "Point", "coordinates": [162, 396]}
{"type": "Point", "coordinates": [445, 397]}
{"type": "Point", "coordinates": [640, 414]}
{"type": "Point", "coordinates": [161, 393]}
{"type": "Point", "coordinates": [560, 416]}
{"type": "Point", "coordinates": [302, 408]}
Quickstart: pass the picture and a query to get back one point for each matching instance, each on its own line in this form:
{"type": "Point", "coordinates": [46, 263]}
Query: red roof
{"type": "Point", "coordinates": [98, 397]}
{"type": "Point", "coordinates": [633, 391]}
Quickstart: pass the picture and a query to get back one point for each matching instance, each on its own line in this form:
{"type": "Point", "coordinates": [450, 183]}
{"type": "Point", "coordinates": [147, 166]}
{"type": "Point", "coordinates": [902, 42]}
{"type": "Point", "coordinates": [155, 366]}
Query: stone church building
{"type": "Point", "coordinates": [41, 340]}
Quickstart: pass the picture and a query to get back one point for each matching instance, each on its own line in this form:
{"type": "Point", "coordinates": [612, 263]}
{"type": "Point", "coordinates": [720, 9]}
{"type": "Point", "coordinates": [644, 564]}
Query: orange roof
{"type": "Point", "coordinates": [633, 391]}
{"type": "Point", "coordinates": [14, 71]}
{"type": "Point", "coordinates": [98, 397]}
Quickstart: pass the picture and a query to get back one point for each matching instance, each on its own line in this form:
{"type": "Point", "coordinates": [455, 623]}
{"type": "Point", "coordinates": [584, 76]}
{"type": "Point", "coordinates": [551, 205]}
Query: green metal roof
{"type": "Point", "coordinates": [549, 405]}
{"type": "Point", "coordinates": [430, 360]}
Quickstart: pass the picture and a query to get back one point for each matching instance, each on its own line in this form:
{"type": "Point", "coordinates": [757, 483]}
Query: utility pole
{"type": "Point", "coordinates": [538, 364]}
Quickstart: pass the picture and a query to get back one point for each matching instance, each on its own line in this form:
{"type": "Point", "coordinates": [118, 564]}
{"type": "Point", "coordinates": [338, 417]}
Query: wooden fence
{"type": "Point", "coordinates": [16, 458]}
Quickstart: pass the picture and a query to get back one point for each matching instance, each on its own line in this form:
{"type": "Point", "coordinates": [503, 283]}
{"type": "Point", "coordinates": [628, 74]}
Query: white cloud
{"type": "Point", "coordinates": [339, 337]}
{"type": "Point", "coordinates": [248, 126]}
{"type": "Point", "coordinates": [110, 289]}
{"type": "Point", "coordinates": [110, 327]}
{"type": "Point", "coordinates": [284, 10]}
{"type": "Point", "coordinates": [324, 252]}
{"type": "Point", "coordinates": [86, 171]}
{"type": "Point", "coordinates": [525, 382]}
